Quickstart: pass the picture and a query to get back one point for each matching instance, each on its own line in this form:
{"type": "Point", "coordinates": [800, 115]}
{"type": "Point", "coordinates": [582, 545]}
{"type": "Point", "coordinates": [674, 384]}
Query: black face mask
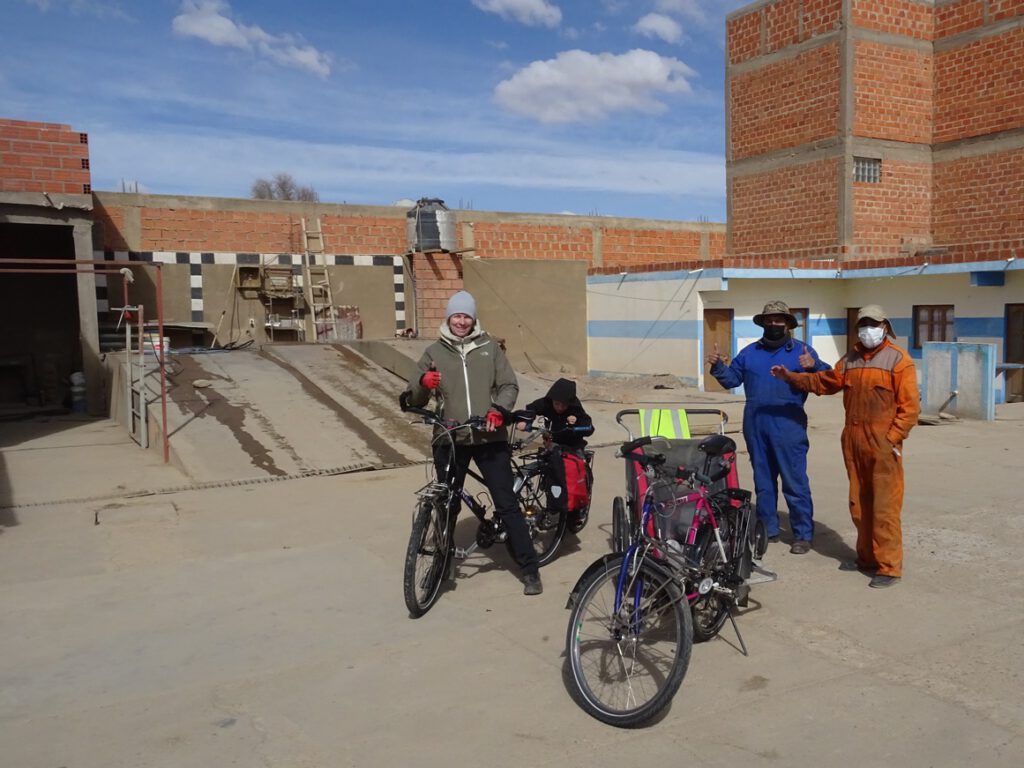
{"type": "Point", "coordinates": [774, 332]}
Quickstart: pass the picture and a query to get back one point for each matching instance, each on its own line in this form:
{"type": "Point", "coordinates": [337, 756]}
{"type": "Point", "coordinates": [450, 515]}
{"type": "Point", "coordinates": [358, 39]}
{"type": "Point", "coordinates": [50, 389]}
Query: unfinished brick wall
{"type": "Point", "coordinates": [979, 87]}
{"type": "Point", "coordinates": [628, 248]}
{"type": "Point", "coordinates": [785, 104]}
{"type": "Point", "coordinates": [790, 210]}
{"type": "Point", "coordinates": [892, 93]}
{"type": "Point", "coordinates": [959, 17]}
{"type": "Point", "coordinates": [151, 223]}
{"type": "Point", "coordinates": [897, 17]}
{"type": "Point", "coordinates": [524, 240]}
{"type": "Point", "coordinates": [894, 215]}
{"type": "Point", "coordinates": [365, 235]}
{"type": "Point", "coordinates": [43, 157]}
{"type": "Point", "coordinates": [908, 99]}
{"type": "Point", "coordinates": [776, 26]}
{"type": "Point", "coordinates": [979, 199]}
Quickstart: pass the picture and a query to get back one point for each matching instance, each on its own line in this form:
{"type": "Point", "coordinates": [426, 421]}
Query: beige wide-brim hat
{"type": "Point", "coordinates": [872, 312]}
{"type": "Point", "coordinates": [776, 308]}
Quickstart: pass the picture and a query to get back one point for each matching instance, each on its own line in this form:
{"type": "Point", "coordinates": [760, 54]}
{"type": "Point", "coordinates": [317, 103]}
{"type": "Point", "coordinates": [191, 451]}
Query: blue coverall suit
{"type": "Point", "coordinates": [775, 430]}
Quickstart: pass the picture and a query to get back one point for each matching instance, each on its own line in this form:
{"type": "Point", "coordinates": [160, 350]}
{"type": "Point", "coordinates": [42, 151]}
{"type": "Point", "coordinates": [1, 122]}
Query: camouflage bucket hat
{"type": "Point", "coordinates": [776, 308]}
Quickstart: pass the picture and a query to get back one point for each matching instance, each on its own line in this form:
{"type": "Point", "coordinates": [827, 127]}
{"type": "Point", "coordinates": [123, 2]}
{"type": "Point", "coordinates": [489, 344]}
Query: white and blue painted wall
{"type": "Point", "coordinates": [649, 322]}
{"type": "Point", "coordinates": [653, 322]}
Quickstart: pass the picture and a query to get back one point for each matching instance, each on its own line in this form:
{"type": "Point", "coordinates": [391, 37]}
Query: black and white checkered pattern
{"type": "Point", "coordinates": [196, 260]}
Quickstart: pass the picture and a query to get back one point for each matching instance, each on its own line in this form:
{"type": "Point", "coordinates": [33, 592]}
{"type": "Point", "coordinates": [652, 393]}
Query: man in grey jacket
{"type": "Point", "coordinates": [469, 375]}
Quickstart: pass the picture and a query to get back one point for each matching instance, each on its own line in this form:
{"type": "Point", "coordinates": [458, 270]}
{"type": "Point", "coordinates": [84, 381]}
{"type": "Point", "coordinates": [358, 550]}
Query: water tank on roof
{"type": "Point", "coordinates": [430, 226]}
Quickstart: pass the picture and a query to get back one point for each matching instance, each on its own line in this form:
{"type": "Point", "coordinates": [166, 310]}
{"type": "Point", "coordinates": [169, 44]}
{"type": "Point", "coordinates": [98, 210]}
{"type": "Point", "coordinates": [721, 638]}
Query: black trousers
{"type": "Point", "coordinates": [494, 460]}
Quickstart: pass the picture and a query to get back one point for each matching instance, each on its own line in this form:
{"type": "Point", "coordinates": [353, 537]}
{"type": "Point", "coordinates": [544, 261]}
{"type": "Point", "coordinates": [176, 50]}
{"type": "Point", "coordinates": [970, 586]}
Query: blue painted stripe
{"type": "Point", "coordinates": [827, 326]}
{"type": "Point", "coordinates": [852, 273]}
{"type": "Point", "coordinates": [650, 277]}
{"type": "Point", "coordinates": [991, 327]}
{"type": "Point", "coordinates": [640, 329]}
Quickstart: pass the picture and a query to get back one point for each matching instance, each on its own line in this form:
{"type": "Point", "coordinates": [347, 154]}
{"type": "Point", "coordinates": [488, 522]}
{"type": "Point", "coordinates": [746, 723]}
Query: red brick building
{"type": "Point", "coordinates": [882, 131]}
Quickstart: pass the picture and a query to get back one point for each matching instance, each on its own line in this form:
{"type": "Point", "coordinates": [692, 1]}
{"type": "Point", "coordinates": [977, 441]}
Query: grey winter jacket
{"type": "Point", "coordinates": [474, 375]}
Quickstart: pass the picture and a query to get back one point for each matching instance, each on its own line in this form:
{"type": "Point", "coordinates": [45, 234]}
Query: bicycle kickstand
{"type": "Point", "coordinates": [736, 629]}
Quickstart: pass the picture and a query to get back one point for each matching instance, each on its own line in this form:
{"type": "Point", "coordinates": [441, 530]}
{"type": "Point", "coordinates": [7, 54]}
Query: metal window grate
{"type": "Point", "coordinates": [867, 169]}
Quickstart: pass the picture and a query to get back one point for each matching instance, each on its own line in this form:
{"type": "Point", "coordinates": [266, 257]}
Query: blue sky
{"type": "Point", "coordinates": [603, 107]}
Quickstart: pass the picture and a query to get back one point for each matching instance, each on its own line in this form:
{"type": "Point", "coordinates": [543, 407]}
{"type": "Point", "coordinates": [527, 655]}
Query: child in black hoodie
{"type": "Point", "coordinates": [570, 425]}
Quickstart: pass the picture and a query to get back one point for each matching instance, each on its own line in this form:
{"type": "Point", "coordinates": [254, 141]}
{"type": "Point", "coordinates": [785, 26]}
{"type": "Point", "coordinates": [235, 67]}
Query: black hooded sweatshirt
{"type": "Point", "coordinates": [561, 431]}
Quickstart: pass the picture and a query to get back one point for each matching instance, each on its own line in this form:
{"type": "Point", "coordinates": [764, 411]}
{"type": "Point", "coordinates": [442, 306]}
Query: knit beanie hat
{"type": "Point", "coordinates": [461, 303]}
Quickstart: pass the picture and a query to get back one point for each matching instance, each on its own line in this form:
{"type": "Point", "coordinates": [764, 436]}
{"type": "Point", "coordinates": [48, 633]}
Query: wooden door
{"type": "Point", "coordinates": [1015, 352]}
{"type": "Point", "coordinates": [717, 330]}
{"type": "Point", "coordinates": [851, 327]}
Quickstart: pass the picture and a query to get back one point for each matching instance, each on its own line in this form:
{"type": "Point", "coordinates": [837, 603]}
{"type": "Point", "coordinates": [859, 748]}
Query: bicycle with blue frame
{"type": "Point", "coordinates": [686, 566]}
{"type": "Point", "coordinates": [432, 551]}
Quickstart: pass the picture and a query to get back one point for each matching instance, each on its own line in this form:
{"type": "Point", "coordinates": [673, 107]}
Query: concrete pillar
{"type": "Point", "coordinates": [88, 323]}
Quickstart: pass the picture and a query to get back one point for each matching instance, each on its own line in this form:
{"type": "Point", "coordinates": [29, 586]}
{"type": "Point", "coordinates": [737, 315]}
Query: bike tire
{"type": "Point", "coordinates": [760, 539]}
{"type": "Point", "coordinates": [546, 528]}
{"type": "Point", "coordinates": [710, 611]}
{"type": "Point", "coordinates": [621, 534]}
{"type": "Point", "coordinates": [627, 666]}
{"type": "Point", "coordinates": [426, 558]}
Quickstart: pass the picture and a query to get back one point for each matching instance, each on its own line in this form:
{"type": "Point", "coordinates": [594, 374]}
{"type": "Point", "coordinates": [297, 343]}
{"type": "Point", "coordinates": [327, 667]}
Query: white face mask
{"type": "Point", "coordinates": [871, 337]}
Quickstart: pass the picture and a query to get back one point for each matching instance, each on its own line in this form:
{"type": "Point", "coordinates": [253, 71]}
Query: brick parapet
{"type": "Point", "coordinates": [43, 157]}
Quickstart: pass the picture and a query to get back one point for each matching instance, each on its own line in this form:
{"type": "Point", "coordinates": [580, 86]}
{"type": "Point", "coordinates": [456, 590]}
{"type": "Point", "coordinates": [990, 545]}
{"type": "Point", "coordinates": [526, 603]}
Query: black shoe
{"type": "Point", "coordinates": [773, 539]}
{"type": "Point", "coordinates": [532, 585]}
{"type": "Point", "coordinates": [800, 547]}
{"type": "Point", "coordinates": [881, 581]}
{"type": "Point", "coordinates": [853, 565]}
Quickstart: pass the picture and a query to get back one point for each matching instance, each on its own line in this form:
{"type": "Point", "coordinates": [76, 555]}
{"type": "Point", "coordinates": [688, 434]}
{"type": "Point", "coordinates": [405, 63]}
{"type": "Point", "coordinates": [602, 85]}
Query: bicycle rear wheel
{"type": "Point", "coordinates": [547, 526]}
{"type": "Point", "coordinates": [427, 556]}
{"type": "Point", "coordinates": [628, 664]}
{"type": "Point", "coordinates": [711, 610]}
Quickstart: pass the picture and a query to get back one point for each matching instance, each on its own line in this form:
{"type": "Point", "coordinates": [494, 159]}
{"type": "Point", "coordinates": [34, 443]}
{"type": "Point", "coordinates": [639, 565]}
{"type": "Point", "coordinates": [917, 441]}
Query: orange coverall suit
{"type": "Point", "coordinates": [880, 397]}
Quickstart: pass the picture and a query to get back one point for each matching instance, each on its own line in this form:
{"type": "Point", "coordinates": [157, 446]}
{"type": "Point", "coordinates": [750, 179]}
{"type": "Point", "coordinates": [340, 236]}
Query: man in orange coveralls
{"type": "Point", "coordinates": [880, 396]}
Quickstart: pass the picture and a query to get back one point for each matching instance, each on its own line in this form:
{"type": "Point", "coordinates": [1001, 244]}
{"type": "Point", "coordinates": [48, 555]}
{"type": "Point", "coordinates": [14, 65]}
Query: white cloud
{"type": "Point", "coordinates": [689, 9]}
{"type": "Point", "coordinates": [78, 7]}
{"type": "Point", "coordinates": [659, 25]}
{"type": "Point", "coordinates": [577, 85]}
{"type": "Point", "coordinates": [533, 13]}
{"type": "Point", "coordinates": [210, 20]}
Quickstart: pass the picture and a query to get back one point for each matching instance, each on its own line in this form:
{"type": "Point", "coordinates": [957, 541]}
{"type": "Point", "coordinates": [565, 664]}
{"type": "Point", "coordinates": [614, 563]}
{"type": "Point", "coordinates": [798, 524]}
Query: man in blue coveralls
{"type": "Point", "coordinates": [774, 421]}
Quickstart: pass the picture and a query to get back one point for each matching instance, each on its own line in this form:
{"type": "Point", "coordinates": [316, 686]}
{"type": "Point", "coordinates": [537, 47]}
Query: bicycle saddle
{"type": "Point", "coordinates": [717, 445]}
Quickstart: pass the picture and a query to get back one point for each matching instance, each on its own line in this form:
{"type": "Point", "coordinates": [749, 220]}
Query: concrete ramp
{"type": "Point", "coordinates": [286, 409]}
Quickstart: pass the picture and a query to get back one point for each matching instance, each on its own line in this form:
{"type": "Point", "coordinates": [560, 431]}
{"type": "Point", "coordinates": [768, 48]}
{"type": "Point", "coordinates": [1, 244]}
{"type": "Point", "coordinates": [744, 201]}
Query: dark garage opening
{"type": "Point", "coordinates": [39, 331]}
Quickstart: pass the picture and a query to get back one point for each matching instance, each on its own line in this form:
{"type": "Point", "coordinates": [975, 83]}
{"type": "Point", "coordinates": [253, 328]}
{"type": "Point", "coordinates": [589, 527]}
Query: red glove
{"type": "Point", "coordinates": [493, 420]}
{"type": "Point", "coordinates": [431, 379]}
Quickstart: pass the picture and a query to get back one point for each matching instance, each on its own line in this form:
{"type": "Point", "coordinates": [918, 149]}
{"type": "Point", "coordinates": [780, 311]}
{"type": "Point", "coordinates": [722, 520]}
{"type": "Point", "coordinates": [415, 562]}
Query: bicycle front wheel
{"type": "Point", "coordinates": [627, 664]}
{"type": "Point", "coordinates": [546, 526]}
{"type": "Point", "coordinates": [427, 556]}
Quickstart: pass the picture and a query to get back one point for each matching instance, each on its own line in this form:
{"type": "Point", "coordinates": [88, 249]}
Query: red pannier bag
{"type": "Point", "coordinates": [577, 495]}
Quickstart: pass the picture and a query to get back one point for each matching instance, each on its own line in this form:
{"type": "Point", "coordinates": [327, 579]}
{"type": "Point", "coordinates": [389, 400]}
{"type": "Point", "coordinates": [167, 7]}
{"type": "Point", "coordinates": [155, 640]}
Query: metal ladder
{"type": "Point", "coordinates": [323, 318]}
{"type": "Point", "coordinates": [136, 402]}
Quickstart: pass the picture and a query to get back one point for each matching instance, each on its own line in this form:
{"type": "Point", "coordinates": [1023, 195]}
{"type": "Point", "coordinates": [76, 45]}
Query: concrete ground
{"type": "Point", "coordinates": [264, 625]}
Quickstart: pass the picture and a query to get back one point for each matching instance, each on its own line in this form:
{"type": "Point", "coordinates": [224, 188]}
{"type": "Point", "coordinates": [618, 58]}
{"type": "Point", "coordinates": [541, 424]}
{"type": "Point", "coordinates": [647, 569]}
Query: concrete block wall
{"type": "Point", "coordinates": [43, 157]}
{"type": "Point", "coordinates": [210, 233]}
